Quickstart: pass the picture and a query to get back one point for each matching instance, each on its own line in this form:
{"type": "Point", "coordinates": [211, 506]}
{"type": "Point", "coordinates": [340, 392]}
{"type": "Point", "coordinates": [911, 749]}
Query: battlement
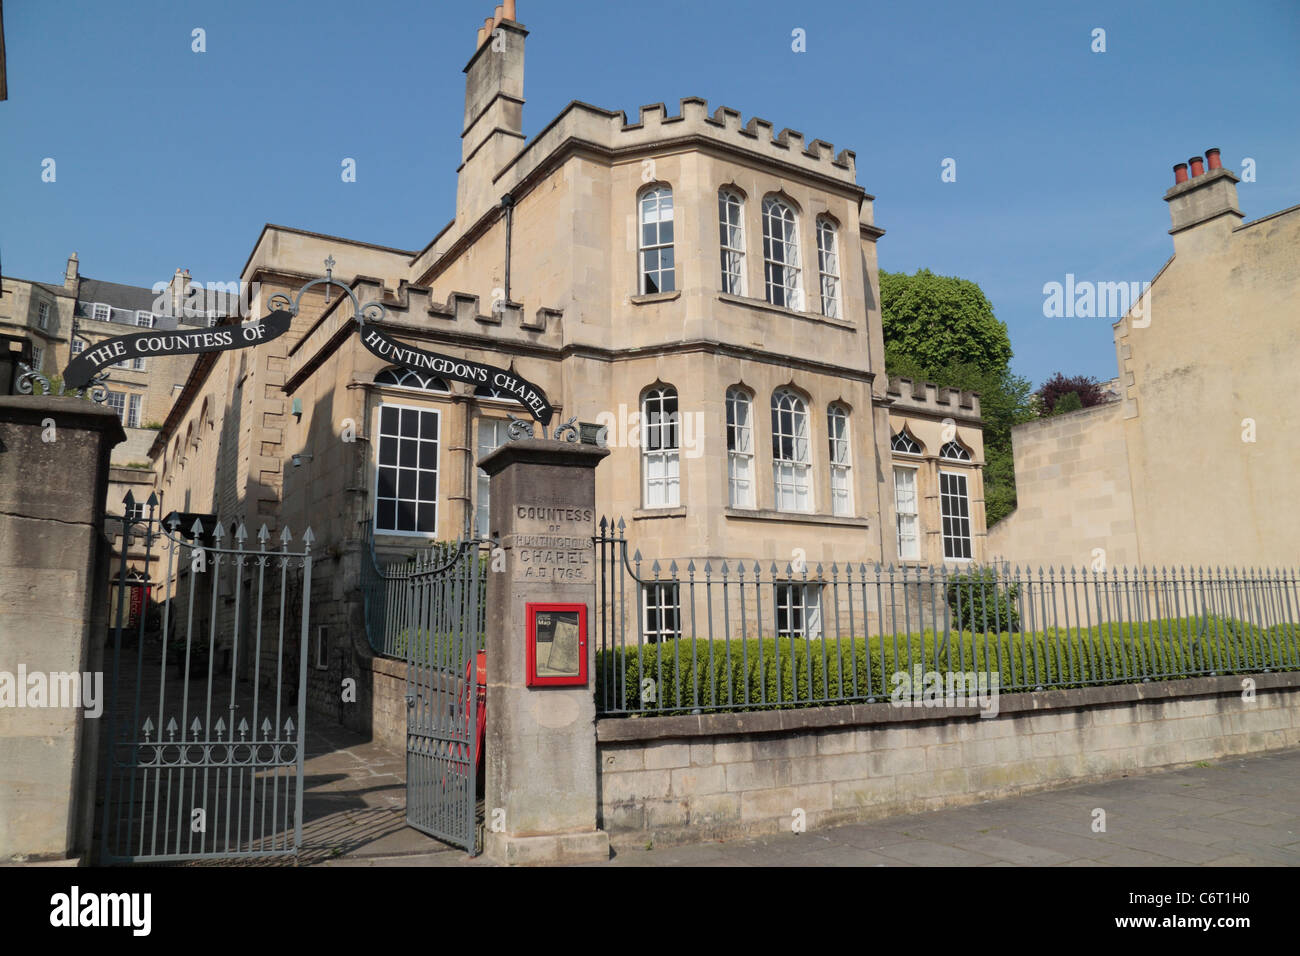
{"type": "Point", "coordinates": [609, 130]}
{"type": "Point", "coordinates": [933, 399]}
{"type": "Point", "coordinates": [412, 307]}
{"type": "Point", "coordinates": [724, 123]}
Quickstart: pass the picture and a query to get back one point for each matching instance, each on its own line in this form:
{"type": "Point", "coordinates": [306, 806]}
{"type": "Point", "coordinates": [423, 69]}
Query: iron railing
{"type": "Point", "coordinates": [400, 594]}
{"type": "Point", "coordinates": [702, 635]}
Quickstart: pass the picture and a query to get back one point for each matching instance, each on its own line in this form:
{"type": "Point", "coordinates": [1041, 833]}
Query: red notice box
{"type": "Point", "coordinates": [557, 644]}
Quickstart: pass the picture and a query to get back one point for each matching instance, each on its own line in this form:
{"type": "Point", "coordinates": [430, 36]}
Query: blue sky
{"type": "Point", "coordinates": [169, 158]}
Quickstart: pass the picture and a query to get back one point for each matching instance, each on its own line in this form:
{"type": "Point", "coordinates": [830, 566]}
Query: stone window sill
{"type": "Point", "coordinates": [795, 517]}
{"type": "Point", "coordinates": [655, 297]}
{"type": "Point", "coordinates": [643, 513]}
{"type": "Point", "coordinates": [765, 306]}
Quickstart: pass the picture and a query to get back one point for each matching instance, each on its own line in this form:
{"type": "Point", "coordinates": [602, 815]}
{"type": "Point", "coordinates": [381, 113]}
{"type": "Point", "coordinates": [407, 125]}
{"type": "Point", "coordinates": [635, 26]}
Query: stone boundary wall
{"type": "Point", "coordinates": [388, 703]}
{"type": "Point", "coordinates": [722, 776]}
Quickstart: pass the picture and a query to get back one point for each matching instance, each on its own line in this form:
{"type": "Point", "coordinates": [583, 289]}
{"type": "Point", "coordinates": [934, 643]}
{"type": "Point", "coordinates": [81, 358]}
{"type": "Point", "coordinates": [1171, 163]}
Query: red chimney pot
{"type": "Point", "coordinates": [1180, 173]}
{"type": "Point", "coordinates": [1198, 166]}
{"type": "Point", "coordinates": [1212, 158]}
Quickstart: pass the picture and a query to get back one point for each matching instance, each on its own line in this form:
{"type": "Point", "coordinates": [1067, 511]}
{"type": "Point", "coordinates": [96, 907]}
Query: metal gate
{"type": "Point", "coordinates": [430, 612]}
{"type": "Point", "coordinates": [207, 692]}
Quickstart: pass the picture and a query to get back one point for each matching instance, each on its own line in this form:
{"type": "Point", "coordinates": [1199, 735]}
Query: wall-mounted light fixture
{"type": "Point", "coordinates": [299, 459]}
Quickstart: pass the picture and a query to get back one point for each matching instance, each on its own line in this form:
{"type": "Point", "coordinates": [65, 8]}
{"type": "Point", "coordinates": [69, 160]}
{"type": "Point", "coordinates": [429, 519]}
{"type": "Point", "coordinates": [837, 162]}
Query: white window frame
{"type": "Point", "coordinates": [781, 276]}
{"type": "Point", "coordinates": [962, 453]}
{"type": "Point", "coordinates": [952, 540]}
{"type": "Point", "coordinates": [150, 320]}
{"type": "Point", "coordinates": [731, 239]}
{"type": "Point", "coordinates": [409, 378]}
{"type": "Point", "coordinates": [118, 406]}
{"type": "Point", "coordinates": [43, 315]}
{"type": "Point", "coordinates": [914, 515]}
{"type": "Point", "coordinates": [94, 312]}
{"type": "Point", "coordinates": [137, 363]}
{"type": "Point", "coordinates": [740, 448]}
{"type": "Point", "coordinates": [792, 478]}
{"type": "Point", "coordinates": [656, 201]}
{"type": "Point", "coordinates": [904, 433]}
{"type": "Point", "coordinates": [660, 449]}
{"type": "Point", "coordinates": [797, 599]}
{"type": "Point", "coordinates": [77, 345]}
{"type": "Point", "coordinates": [321, 656]}
{"type": "Point", "coordinates": [658, 599]}
{"type": "Point", "coordinates": [483, 485]}
{"type": "Point", "coordinates": [133, 403]}
{"type": "Point", "coordinates": [841, 458]}
{"type": "Point", "coordinates": [380, 435]}
{"type": "Point", "coordinates": [38, 354]}
{"type": "Point", "coordinates": [828, 267]}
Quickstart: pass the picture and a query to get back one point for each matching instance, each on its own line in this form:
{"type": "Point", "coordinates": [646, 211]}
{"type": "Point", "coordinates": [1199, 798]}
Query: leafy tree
{"type": "Point", "coordinates": [1070, 402]}
{"type": "Point", "coordinates": [1085, 387]}
{"type": "Point", "coordinates": [981, 365]}
{"type": "Point", "coordinates": [941, 321]}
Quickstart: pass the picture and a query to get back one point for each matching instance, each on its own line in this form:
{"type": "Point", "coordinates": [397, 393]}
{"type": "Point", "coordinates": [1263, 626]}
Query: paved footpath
{"type": "Point", "coordinates": [1240, 811]}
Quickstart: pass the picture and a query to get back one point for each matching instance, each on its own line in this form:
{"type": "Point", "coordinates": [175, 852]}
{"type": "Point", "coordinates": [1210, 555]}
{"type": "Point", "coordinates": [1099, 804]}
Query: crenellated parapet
{"type": "Point", "coordinates": [931, 399]}
{"type": "Point", "coordinates": [412, 310]}
{"type": "Point", "coordinates": [599, 128]}
{"type": "Point", "coordinates": [725, 124]}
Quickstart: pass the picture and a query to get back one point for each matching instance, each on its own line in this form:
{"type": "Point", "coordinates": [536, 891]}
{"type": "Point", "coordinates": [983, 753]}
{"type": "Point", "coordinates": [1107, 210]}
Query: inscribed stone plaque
{"type": "Point", "coordinates": [552, 544]}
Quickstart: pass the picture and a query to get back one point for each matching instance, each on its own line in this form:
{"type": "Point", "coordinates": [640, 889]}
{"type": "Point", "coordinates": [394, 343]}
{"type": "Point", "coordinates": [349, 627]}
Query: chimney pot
{"type": "Point", "coordinates": [498, 14]}
{"type": "Point", "coordinates": [1212, 158]}
{"type": "Point", "coordinates": [482, 34]}
{"type": "Point", "coordinates": [1180, 174]}
{"type": "Point", "coordinates": [1198, 166]}
{"type": "Point", "coordinates": [509, 9]}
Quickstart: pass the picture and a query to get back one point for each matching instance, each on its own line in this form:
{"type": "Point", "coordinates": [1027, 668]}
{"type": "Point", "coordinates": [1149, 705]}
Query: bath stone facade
{"type": "Point", "coordinates": [1195, 464]}
{"type": "Point", "coordinates": [59, 321]}
{"type": "Point", "coordinates": [621, 266]}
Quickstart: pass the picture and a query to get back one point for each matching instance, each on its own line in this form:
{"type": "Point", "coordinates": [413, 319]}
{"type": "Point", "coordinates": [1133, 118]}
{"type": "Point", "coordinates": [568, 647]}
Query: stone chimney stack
{"type": "Point", "coordinates": [494, 109]}
{"type": "Point", "coordinates": [71, 276]}
{"type": "Point", "coordinates": [1204, 198]}
{"type": "Point", "coordinates": [176, 290]}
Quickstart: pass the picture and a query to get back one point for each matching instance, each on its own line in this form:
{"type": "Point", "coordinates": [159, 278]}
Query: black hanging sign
{"type": "Point", "coordinates": [460, 370]}
{"type": "Point", "coordinates": [123, 348]}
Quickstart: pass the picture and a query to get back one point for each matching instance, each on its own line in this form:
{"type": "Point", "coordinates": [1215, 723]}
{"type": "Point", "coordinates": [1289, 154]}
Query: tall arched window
{"type": "Point", "coordinates": [791, 461]}
{"type": "Point", "coordinates": [828, 266]}
{"type": "Point", "coordinates": [731, 236]}
{"type": "Point", "coordinates": [660, 475]}
{"type": "Point", "coordinates": [656, 241]}
{"type": "Point", "coordinates": [837, 427]}
{"type": "Point", "coordinates": [781, 254]}
{"type": "Point", "coordinates": [740, 448]}
{"type": "Point", "coordinates": [409, 378]}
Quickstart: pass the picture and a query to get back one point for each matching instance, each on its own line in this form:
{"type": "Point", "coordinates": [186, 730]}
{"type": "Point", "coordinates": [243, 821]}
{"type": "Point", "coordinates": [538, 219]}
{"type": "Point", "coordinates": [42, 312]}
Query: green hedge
{"type": "Point", "coordinates": [740, 675]}
{"type": "Point", "coordinates": [978, 604]}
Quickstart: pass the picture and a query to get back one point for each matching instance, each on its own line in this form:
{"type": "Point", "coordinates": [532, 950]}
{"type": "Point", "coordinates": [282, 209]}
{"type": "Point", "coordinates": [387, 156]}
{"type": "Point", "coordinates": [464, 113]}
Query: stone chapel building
{"type": "Point", "coordinates": [702, 289]}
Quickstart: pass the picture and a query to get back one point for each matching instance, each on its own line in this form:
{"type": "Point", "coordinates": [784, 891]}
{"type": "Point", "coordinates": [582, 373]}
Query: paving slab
{"type": "Point", "coordinates": [1235, 812]}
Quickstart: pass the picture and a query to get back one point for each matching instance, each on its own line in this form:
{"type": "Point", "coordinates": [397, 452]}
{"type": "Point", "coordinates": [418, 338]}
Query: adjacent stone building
{"type": "Point", "coordinates": [45, 325]}
{"type": "Point", "coordinates": [1195, 464]}
{"type": "Point", "coordinates": [57, 322]}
